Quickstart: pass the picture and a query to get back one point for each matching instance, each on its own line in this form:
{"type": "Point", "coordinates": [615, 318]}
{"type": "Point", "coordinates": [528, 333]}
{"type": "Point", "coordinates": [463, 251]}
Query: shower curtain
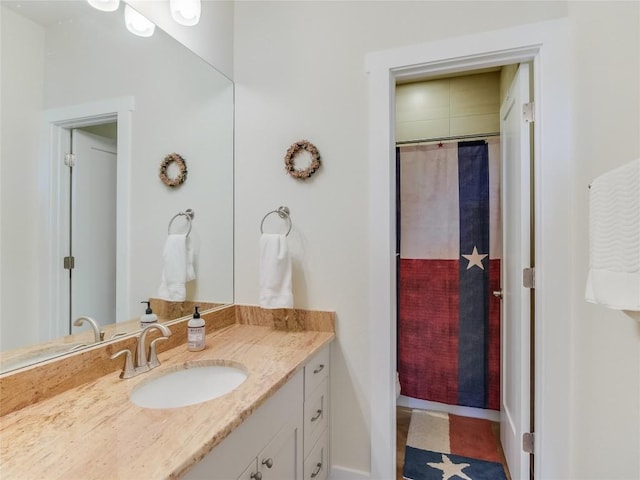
{"type": "Point", "coordinates": [450, 247]}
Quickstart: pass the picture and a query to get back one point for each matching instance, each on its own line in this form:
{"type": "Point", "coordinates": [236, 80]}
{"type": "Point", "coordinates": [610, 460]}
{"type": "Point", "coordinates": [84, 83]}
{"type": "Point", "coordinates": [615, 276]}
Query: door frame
{"type": "Point", "coordinates": [546, 45]}
{"type": "Point", "coordinates": [57, 123]}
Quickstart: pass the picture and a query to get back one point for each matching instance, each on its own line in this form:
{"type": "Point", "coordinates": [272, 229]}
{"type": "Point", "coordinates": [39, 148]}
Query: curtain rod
{"type": "Point", "coordinates": [448, 139]}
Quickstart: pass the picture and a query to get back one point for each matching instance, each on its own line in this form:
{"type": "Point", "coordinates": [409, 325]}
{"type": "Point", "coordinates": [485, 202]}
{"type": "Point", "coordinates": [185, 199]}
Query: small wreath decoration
{"type": "Point", "coordinates": [293, 151]}
{"type": "Point", "coordinates": [164, 166]}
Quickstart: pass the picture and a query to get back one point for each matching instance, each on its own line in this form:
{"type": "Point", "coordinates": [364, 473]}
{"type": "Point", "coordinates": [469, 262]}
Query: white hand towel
{"type": "Point", "coordinates": [177, 269]}
{"type": "Point", "coordinates": [614, 236]}
{"type": "Point", "coordinates": [275, 272]}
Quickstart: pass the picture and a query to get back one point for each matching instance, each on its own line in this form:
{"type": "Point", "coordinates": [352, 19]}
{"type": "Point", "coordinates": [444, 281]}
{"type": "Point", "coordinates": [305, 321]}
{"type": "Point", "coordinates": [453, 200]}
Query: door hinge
{"type": "Point", "coordinates": [529, 277]}
{"type": "Point", "coordinates": [70, 159]}
{"type": "Point", "coordinates": [69, 263]}
{"type": "Point", "coordinates": [527, 112]}
{"type": "Point", "coordinates": [528, 441]}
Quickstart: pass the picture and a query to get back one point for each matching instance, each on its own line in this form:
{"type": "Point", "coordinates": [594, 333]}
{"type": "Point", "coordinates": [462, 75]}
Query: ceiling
{"type": "Point", "coordinates": [47, 12]}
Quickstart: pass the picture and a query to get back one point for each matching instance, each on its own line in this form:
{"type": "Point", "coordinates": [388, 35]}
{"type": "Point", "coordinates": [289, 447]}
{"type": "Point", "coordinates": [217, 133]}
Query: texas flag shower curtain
{"type": "Point", "coordinates": [450, 247]}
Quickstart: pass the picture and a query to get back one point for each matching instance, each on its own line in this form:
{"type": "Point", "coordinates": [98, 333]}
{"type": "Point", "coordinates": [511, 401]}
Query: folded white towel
{"type": "Point", "coordinates": [177, 269]}
{"type": "Point", "coordinates": [275, 272]}
{"type": "Point", "coordinates": [614, 236]}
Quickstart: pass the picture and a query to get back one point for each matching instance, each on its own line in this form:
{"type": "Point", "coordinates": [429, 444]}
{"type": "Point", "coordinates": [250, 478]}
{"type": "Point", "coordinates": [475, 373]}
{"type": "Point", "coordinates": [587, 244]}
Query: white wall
{"type": "Point", "coordinates": [299, 73]}
{"type": "Point", "coordinates": [605, 134]}
{"type": "Point", "coordinates": [21, 76]}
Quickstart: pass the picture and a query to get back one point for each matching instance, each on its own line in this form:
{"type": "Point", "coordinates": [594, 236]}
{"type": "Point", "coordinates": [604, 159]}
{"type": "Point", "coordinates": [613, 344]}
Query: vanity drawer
{"type": "Point", "coordinates": [316, 415]}
{"type": "Point", "coordinates": [316, 370]}
{"type": "Point", "coordinates": [316, 465]}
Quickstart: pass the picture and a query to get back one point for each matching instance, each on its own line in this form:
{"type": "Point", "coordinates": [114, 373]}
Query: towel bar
{"type": "Point", "coordinates": [283, 212]}
{"type": "Point", "coordinates": [188, 213]}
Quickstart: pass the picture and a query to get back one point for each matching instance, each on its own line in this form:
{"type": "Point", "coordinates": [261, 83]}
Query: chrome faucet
{"type": "Point", "coordinates": [98, 335]}
{"type": "Point", "coordinates": [144, 362]}
{"type": "Point", "coordinates": [141, 352]}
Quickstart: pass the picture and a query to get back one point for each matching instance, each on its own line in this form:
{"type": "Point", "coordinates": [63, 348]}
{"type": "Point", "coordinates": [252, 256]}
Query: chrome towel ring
{"type": "Point", "coordinates": [188, 214]}
{"type": "Point", "coordinates": [283, 212]}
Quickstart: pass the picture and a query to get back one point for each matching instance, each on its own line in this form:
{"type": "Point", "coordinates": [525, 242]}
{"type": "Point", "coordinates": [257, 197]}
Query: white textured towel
{"type": "Point", "coordinates": [614, 236]}
{"type": "Point", "coordinates": [275, 272]}
{"type": "Point", "coordinates": [178, 268]}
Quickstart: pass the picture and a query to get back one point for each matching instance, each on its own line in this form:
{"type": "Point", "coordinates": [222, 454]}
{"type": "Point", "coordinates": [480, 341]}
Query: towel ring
{"type": "Point", "coordinates": [188, 213]}
{"type": "Point", "coordinates": [283, 212]}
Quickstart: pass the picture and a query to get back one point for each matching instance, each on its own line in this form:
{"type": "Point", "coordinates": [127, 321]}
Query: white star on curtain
{"type": "Point", "coordinates": [450, 469]}
{"type": "Point", "coordinates": [475, 259]}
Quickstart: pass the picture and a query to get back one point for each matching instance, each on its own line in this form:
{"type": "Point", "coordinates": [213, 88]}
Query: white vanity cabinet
{"type": "Point", "coordinates": [279, 460]}
{"type": "Point", "coordinates": [266, 446]}
{"type": "Point", "coordinates": [285, 439]}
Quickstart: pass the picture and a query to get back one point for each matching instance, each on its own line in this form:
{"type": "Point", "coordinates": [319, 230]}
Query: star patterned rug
{"type": "Point", "coordinates": [427, 465]}
{"type": "Point", "coordinates": [441, 446]}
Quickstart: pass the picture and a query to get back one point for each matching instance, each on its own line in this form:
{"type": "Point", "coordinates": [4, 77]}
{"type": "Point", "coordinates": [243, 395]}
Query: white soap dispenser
{"type": "Point", "coordinates": [195, 332]}
{"type": "Point", "coordinates": [149, 317]}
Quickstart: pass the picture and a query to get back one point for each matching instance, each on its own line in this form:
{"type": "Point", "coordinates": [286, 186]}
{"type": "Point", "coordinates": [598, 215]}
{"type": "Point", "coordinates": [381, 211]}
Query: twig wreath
{"type": "Point", "coordinates": [173, 158]}
{"type": "Point", "coordinates": [293, 151]}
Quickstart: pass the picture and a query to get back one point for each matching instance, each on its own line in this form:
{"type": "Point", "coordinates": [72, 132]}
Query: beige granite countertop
{"type": "Point", "coordinates": [93, 431]}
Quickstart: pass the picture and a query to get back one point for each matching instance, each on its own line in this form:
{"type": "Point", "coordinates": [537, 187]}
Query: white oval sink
{"type": "Point", "coordinates": [187, 385]}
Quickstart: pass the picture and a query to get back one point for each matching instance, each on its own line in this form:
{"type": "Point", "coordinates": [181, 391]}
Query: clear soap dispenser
{"type": "Point", "coordinates": [149, 317]}
{"type": "Point", "coordinates": [195, 332]}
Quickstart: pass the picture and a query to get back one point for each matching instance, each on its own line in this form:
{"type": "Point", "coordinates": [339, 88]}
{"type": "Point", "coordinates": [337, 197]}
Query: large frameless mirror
{"type": "Point", "coordinates": [89, 114]}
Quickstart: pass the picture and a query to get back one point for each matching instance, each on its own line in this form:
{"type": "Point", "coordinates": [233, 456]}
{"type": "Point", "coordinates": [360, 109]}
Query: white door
{"type": "Point", "coordinates": [515, 387]}
{"type": "Point", "coordinates": [93, 237]}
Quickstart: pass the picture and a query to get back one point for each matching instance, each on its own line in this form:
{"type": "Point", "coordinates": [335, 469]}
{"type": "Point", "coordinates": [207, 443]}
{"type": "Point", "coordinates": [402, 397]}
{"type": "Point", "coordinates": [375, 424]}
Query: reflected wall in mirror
{"type": "Point", "coordinates": [70, 72]}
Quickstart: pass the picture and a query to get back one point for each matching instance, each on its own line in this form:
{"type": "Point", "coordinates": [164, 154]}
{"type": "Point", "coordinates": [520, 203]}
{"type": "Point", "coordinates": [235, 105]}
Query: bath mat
{"type": "Point", "coordinates": [428, 465]}
{"type": "Point", "coordinates": [446, 433]}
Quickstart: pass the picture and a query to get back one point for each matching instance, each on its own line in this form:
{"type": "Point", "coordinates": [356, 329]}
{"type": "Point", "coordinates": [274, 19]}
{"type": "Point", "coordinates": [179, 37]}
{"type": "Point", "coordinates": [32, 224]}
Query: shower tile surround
{"type": "Point", "coordinates": [85, 389]}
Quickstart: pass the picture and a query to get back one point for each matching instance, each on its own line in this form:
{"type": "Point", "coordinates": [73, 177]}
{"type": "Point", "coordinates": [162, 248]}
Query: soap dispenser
{"type": "Point", "coordinates": [149, 317]}
{"type": "Point", "coordinates": [195, 332]}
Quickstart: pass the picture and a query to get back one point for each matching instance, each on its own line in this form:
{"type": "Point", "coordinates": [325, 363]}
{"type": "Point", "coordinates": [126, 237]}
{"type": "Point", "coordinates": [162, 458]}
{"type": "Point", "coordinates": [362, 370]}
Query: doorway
{"type": "Point", "coordinates": [90, 221]}
{"type": "Point", "coordinates": [449, 303]}
{"type": "Point", "coordinates": [448, 204]}
{"type": "Point", "coordinates": [514, 45]}
{"type": "Point", "coordinates": [86, 121]}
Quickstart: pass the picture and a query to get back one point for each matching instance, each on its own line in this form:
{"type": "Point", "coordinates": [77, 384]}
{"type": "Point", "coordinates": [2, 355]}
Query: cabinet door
{"type": "Point", "coordinates": [316, 465]}
{"type": "Point", "coordinates": [315, 415]}
{"type": "Point", "coordinates": [316, 370]}
{"type": "Point", "coordinates": [251, 472]}
{"type": "Point", "coordinates": [281, 459]}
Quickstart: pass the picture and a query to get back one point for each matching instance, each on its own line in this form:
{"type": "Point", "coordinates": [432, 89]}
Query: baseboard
{"type": "Point", "coordinates": [344, 473]}
{"type": "Point", "coordinates": [410, 402]}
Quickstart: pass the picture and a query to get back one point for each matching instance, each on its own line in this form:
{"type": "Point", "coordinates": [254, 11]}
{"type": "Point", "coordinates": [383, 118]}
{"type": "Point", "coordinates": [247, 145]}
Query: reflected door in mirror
{"type": "Point", "coordinates": [91, 283]}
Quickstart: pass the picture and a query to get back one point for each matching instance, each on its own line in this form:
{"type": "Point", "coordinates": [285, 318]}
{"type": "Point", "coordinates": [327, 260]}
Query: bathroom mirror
{"type": "Point", "coordinates": [70, 72]}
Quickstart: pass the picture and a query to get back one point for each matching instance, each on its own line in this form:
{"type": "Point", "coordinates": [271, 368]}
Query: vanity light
{"type": "Point", "coordinates": [105, 5]}
{"type": "Point", "coordinates": [185, 12]}
{"type": "Point", "coordinates": [137, 23]}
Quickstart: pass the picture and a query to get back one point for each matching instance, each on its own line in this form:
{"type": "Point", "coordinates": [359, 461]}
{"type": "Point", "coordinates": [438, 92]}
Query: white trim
{"type": "Point", "coordinates": [545, 43]}
{"type": "Point", "coordinates": [417, 403]}
{"type": "Point", "coordinates": [56, 121]}
{"type": "Point", "coordinates": [343, 473]}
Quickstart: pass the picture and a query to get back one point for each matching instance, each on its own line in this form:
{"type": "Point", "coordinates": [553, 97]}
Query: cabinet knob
{"type": "Point", "coordinates": [257, 476]}
{"type": "Point", "coordinates": [268, 462]}
{"type": "Point", "coordinates": [319, 369]}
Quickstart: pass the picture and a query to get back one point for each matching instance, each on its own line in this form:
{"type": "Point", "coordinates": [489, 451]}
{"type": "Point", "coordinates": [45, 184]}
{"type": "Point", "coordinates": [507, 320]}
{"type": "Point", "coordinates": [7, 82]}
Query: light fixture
{"type": "Point", "coordinates": [185, 12]}
{"type": "Point", "coordinates": [105, 5]}
{"type": "Point", "coordinates": [137, 23]}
